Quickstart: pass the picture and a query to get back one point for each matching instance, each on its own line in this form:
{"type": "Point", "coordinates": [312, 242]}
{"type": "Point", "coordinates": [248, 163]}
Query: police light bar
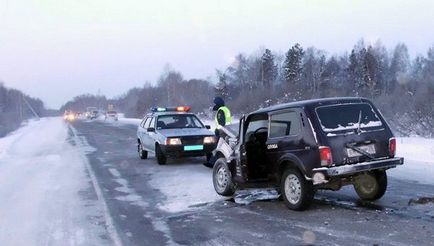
{"type": "Point", "coordinates": [183, 109]}
{"type": "Point", "coordinates": [171, 109]}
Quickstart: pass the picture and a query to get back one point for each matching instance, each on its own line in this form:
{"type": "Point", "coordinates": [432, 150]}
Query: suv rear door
{"type": "Point", "coordinates": [350, 127]}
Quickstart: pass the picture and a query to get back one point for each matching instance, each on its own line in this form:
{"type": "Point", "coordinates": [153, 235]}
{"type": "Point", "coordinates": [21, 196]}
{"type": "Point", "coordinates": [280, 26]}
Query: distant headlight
{"type": "Point", "coordinates": [71, 117]}
{"type": "Point", "coordinates": [173, 141]}
{"type": "Point", "coordinates": [209, 140]}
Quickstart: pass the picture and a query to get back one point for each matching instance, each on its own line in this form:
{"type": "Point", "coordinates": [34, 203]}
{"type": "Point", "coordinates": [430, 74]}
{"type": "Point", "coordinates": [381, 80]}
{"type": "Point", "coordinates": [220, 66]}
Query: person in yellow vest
{"type": "Point", "coordinates": [222, 118]}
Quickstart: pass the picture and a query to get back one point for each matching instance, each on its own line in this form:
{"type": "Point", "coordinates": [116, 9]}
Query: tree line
{"type": "Point", "coordinates": [15, 108]}
{"type": "Point", "coordinates": [403, 88]}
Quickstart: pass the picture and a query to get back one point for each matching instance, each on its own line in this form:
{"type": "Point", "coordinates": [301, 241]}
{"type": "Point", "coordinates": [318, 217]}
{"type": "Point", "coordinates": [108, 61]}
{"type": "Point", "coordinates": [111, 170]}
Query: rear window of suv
{"type": "Point", "coordinates": [348, 117]}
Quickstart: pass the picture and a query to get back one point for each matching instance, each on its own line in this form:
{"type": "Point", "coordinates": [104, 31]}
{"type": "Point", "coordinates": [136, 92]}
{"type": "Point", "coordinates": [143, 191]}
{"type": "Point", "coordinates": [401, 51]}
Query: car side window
{"type": "Point", "coordinates": [284, 124]}
{"type": "Point", "coordinates": [143, 123]}
{"type": "Point", "coordinates": [152, 123]}
{"type": "Point", "coordinates": [254, 123]}
{"type": "Point", "coordinates": [148, 120]}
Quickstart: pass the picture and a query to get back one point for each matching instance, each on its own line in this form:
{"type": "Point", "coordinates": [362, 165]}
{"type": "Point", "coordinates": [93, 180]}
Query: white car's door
{"type": "Point", "coordinates": [141, 130]}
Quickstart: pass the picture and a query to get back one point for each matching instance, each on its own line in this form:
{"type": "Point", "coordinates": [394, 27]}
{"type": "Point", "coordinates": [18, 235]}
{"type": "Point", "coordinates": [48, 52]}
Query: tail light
{"type": "Point", "coordinates": [325, 155]}
{"type": "Point", "coordinates": [392, 147]}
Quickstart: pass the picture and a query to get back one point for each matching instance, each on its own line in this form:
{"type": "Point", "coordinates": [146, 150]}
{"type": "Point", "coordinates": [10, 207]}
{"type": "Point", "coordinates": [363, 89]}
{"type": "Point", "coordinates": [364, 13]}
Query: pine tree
{"type": "Point", "coordinates": [268, 69]}
{"type": "Point", "coordinates": [292, 66]}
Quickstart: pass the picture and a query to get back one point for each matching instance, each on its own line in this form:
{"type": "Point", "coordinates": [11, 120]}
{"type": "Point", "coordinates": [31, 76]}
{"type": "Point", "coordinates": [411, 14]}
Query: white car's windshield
{"type": "Point", "coordinates": [178, 121]}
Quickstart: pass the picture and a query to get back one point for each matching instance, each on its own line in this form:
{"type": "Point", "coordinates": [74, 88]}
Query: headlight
{"type": "Point", "coordinates": [208, 140]}
{"type": "Point", "coordinates": [173, 141]}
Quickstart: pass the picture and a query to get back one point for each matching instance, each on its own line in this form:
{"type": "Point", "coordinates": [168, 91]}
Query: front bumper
{"type": "Point", "coordinates": [347, 170]}
{"type": "Point", "coordinates": [178, 150]}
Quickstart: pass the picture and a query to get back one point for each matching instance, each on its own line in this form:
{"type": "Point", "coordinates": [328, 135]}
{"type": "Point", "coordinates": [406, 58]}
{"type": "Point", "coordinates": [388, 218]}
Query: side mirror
{"type": "Point", "coordinates": [208, 127]}
{"type": "Point", "coordinates": [151, 129]}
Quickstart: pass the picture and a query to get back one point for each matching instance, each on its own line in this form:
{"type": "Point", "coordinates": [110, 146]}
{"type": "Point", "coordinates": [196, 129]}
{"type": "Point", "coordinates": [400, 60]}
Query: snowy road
{"type": "Point", "coordinates": [84, 184]}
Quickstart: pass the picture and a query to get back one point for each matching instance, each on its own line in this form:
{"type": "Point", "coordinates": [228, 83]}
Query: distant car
{"type": "Point", "coordinates": [111, 115]}
{"type": "Point", "coordinates": [305, 146]}
{"type": "Point", "coordinates": [90, 111]}
{"type": "Point", "coordinates": [69, 116]}
{"type": "Point", "coordinates": [94, 114]}
{"type": "Point", "coordinates": [173, 132]}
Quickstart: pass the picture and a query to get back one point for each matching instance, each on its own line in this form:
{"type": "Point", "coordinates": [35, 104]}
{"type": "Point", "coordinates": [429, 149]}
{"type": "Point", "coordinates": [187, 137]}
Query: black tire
{"type": "Point", "coordinates": [371, 186]}
{"type": "Point", "coordinates": [296, 191]}
{"type": "Point", "coordinates": [161, 157]}
{"type": "Point", "coordinates": [222, 178]}
{"type": "Point", "coordinates": [143, 154]}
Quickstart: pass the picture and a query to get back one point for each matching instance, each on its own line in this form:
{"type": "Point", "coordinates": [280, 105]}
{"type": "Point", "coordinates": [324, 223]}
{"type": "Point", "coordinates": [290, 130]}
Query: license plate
{"type": "Point", "coordinates": [370, 148]}
{"type": "Point", "coordinates": [193, 147]}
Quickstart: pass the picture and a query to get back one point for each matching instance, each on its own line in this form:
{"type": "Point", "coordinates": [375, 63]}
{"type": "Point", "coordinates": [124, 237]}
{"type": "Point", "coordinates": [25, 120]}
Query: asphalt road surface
{"type": "Point", "coordinates": [142, 213]}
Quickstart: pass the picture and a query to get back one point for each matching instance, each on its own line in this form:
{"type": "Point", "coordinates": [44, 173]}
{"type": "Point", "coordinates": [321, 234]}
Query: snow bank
{"type": "Point", "coordinates": [418, 156]}
{"type": "Point", "coordinates": [40, 180]}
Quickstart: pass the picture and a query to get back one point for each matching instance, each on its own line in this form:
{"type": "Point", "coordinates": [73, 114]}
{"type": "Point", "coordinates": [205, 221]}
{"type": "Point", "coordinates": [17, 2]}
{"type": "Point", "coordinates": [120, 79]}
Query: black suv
{"type": "Point", "coordinates": [303, 146]}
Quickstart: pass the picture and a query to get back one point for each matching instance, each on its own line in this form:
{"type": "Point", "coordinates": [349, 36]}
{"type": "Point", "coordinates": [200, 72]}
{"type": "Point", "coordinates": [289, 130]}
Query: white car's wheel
{"type": "Point", "coordinates": [143, 154]}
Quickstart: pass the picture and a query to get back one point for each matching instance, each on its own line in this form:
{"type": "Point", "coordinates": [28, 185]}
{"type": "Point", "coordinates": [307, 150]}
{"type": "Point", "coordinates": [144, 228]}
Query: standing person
{"type": "Point", "coordinates": [222, 118]}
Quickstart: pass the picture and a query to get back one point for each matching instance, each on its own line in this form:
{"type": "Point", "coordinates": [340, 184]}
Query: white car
{"type": "Point", "coordinates": [111, 115]}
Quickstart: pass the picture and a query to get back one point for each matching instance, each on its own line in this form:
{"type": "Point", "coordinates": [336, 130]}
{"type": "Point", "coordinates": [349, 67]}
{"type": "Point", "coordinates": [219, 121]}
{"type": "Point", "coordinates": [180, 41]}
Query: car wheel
{"type": "Point", "coordinates": [222, 178]}
{"type": "Point", "coordinates": [371, 186]}
{"type": "Point", "coordinates": [161, 157]}
{"type": "Point", "coordinates": [143, 154]}
{"type": "Point", "coordinates": [296, 191]}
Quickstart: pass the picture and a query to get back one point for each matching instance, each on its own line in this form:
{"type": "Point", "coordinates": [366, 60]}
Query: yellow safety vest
{"type": "Point", "coordinates": [227, 113]}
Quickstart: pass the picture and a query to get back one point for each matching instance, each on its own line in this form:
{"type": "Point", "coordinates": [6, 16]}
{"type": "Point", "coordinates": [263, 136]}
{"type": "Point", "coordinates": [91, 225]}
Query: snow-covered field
{"type": "Point", "coordinates": [40, 180]}
{"type": "Point", "coordinates": [418, 156]}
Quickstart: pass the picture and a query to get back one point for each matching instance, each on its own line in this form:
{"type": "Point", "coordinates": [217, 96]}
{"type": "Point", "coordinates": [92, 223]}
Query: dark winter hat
{"type": "Point", "coordinates": [219, 101]}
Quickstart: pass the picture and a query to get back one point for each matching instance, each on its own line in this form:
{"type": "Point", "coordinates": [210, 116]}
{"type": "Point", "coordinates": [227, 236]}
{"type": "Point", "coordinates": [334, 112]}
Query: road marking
{"type": "Point", "coordinates": [111, 229]}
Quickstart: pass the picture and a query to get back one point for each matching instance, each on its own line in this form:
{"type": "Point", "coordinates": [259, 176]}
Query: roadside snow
{"type": "Point", "coordinates": [40, 180]}
{"type": "Point", "coordinates": [418, 156]}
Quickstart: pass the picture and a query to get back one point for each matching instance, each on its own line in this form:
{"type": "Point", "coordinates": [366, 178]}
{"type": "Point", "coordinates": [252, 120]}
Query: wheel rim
{"type": "Point", "coordinates": [292, 188]}
{"type": "Point", "coordinates": [222, 178]}
{"type": "Point", "coordinates": [367, 184]}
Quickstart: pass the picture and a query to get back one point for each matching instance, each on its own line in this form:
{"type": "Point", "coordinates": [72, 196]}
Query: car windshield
{"type": "Point", "coordinates": [348, 117]}
{"type": "Point", "coordinates": [178, 121]}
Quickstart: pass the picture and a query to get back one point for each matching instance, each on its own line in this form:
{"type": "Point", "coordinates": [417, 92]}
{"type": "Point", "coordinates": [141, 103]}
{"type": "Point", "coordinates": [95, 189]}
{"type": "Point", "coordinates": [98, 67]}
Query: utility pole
{"type": "Point", "coordinates": [30, 107]}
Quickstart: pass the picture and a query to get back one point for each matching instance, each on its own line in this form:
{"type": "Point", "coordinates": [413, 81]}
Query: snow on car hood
{"type": "Point", "coordinates": [181, 132]}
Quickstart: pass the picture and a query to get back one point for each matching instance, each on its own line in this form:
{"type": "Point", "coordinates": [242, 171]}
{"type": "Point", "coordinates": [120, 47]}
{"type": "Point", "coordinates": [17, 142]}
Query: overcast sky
{"type": "Point", "coordinates": [57, 49]}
